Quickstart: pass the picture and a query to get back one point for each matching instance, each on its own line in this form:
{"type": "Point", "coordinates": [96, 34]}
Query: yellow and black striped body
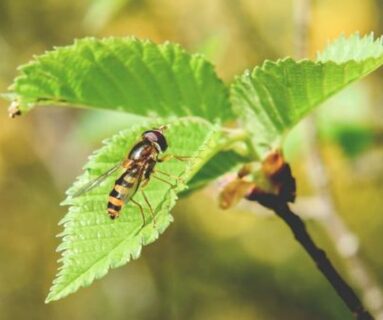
{"type": "Point", "coordinates": [138, 165]}
{"type": "Point", "coordinates": [124, 188]}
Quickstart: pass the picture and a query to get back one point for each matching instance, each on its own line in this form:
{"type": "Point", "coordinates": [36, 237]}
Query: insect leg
{"type": "Point", "coordinates": [141, 210]}
{"type": "Point", "coordinates": [163, 180]}
{"type": "Point", "coordinates": [172, 156]}
{"type": "Point", "coordinates": [146, 181]}
{"type": "Point", "coordinates": [169, 175]}
{"type": "Point", "coordinates": [150, 207]}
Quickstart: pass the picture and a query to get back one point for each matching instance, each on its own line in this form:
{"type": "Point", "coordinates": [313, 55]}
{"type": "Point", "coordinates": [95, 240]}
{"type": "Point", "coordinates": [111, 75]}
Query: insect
{"type": "Point", "coordinates": [138, 169]}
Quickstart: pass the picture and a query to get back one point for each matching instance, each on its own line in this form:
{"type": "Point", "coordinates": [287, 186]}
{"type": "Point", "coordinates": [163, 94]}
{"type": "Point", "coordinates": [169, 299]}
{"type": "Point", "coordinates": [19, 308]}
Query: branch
{"type": "Point", "coordinates": [318, 255]}
{"type": "Point", "coordinates": [276, 187]}
{"type": "Point", "coordinates": [333, 223]}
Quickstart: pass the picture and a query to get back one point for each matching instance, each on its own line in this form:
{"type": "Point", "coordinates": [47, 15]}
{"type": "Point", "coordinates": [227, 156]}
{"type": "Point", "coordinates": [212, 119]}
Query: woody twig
{"type": "Point", "coordinates": [275, 195]}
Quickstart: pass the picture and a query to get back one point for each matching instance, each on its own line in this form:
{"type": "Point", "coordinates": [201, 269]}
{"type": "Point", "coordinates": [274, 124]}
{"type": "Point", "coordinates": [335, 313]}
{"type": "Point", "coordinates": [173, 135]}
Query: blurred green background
{"type": "Point", "coordinates": [210, 264]}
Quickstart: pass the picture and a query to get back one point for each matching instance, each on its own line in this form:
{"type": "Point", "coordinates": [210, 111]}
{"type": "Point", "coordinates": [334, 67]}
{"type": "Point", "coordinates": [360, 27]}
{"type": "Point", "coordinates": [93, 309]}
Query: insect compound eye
{"type": "Point", "coordinates": [162, 141]}
{"type": "Point", "coordinates": [156, 137]}
{"type": "Point", "coordinates": [150, 135]}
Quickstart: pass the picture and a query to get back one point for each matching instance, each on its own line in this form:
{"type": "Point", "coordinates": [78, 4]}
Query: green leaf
{"type": "Point", "coordinates": [92, 243]}
{"type": "Point", "coordinates": [124, 74]}
{"type": "Point", "coordinates": [355, 48]}
{"type": "Point", "coordinates": [274, 97]}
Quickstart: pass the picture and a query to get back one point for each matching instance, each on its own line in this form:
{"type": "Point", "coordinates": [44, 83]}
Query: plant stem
{"type": "Point", "coordinates": [346, 242]}
{"type": "Point", "coordinates": [319, 256]}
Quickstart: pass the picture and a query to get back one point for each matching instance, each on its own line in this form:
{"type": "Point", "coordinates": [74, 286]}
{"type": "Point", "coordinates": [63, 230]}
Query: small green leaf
{"type": "Point", "coordinates": [92, 243]}
{"type": "Point", "coordinates": [274, 97]}
{"type": "Point", "coordinates": [124, 74]}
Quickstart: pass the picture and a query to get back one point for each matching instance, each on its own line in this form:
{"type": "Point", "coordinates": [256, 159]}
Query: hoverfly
{"type": "Point", "coordinates": [138, 169]}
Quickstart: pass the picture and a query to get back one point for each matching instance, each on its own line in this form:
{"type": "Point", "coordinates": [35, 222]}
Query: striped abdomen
{"type": "Point", "coordinates": [124, 188]}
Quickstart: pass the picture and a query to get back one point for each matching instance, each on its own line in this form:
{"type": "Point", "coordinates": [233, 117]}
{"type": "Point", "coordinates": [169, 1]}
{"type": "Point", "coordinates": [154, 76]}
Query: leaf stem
{"type": "Point", "coordinates": [234, 135]}
{"type": "Point", "coordinates": [318, 255]}
{"type": "Point", "coordinates": [239, 135]}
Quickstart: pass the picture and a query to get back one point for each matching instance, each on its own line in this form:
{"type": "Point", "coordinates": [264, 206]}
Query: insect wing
{"type": "Point", "coordinates": [94, 183]}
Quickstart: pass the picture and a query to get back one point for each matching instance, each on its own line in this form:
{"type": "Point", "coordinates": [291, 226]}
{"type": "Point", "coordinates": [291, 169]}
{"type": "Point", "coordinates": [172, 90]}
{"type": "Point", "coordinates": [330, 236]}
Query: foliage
{"type": "Point", "coordinates": [143, 78]}
{"type": "Point", "coordinates": [274, 97]}
{"type": "Point", "coordinates": [92, 242]}
{"type": "Point", "coordinates": [128, 75]}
